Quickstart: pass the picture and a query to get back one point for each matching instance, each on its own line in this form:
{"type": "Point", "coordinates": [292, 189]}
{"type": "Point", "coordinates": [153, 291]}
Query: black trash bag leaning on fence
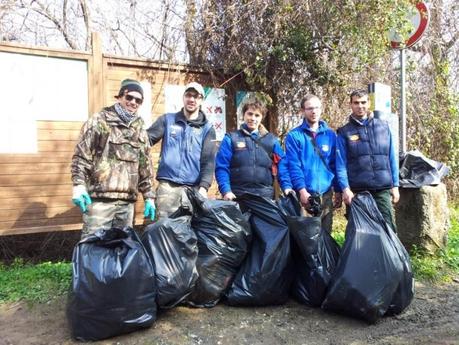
{"type": "Point", "coordinates": [113, 286]}
{"type": "Point", "coordinates": [416, 170]}
{"type": "Point", "coordinates": [315, 254]}
{"type": "Point", "coordinates": [265, 275]}
{"type": "Point", "coordinates": [223, 234]}
{"type": "Point", "coordinates": [172, 244]}
{"type": "Point", "coordinates": [370, 269]}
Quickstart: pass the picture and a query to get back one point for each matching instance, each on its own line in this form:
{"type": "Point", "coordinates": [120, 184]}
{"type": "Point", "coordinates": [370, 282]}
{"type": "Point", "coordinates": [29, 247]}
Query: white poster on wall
{"type": "Point", "coordinates": [213, 105]}
{"type": "Point", "coordinates": [38, 88]}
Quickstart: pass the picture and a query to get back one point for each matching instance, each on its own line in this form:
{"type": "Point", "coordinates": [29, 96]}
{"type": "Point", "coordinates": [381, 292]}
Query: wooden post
{"type": "Point", "coordinates": [96, 75]}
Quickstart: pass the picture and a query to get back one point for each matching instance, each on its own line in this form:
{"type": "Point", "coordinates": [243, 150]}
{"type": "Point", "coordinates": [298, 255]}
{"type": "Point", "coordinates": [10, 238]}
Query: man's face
{"type": "Point", "coordinates": [252, 118]}
{"type": "Point", "coordinates": [131, 101]}
{"type": "Point", "coordinates": [312, 110]}
{"type": "Point", "coordinates": [360, 106]}
{"type": "Point", "coordinates": [191, 101]}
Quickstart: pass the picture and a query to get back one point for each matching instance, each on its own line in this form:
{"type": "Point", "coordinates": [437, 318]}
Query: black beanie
{"type": "Point", "coordinates": [130, 85]}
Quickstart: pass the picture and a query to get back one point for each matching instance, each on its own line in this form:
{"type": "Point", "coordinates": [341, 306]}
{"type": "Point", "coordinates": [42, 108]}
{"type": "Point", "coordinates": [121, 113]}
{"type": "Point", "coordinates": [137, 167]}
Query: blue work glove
{"type": "Point", "coordinates": [149, 211]}
{"type": "Point", "coordinates": [81, 198]}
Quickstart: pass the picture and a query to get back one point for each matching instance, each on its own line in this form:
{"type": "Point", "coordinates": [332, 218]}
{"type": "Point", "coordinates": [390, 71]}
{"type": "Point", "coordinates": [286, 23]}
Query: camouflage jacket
{"type": "Point", "coordinates": [112, 158]}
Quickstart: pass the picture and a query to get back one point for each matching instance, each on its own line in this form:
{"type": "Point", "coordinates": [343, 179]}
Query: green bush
{"type": "Point", "coordinates": [444, 265]}
{"type": "Point", "coordinates": [34, 283]}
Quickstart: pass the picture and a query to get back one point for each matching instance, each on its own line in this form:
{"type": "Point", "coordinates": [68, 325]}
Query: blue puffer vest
{"type": "Point", "coordinates": [368, 151]}
{"type": "Point", "coordinates": [181, 150]}
{"type": "Point", "coordinates": [251, 164]}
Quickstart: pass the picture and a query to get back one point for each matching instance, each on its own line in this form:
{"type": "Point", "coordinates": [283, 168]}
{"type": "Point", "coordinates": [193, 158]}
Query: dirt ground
{"type": "Point", "coordinates": [432, 318]}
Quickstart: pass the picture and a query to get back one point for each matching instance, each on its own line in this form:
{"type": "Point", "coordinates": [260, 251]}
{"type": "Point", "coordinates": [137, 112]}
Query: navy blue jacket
{"type": "Point", "coordinates": [245, 165]}
{"type": "Point", "coordinates": [366, 157]}
{"type": "Point", "coordinates": [187, 149]}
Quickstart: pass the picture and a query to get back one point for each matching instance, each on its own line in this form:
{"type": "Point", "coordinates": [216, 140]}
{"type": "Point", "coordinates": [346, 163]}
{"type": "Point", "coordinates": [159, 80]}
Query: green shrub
{"type": "Point", "coordinates": [34, 283]}
{"type": "Point", "coordinates": [444, 265]}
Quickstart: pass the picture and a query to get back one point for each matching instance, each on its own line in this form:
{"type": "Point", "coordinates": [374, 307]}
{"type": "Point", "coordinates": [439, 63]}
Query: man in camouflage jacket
{"type": "Point", "coordinates": [111, 164]}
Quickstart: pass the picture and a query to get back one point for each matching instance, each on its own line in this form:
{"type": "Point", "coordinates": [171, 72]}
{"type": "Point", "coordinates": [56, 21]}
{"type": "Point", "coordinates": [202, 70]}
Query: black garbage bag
{"type": "Point", "coordinates": [172, 244]}
{"type": "Point", "coordinates": [266, 274]}
{"type": "Point", "coordinates": [405, 290]}
{"type": "Point", "coordinates": [113, 286]}
{"type": "Point", "coordinates": [223, 234]}
{"type": "Point", "coordinates": [289, 205]}
{"type": "Point", "coordinates": [369, 270]}
{"type": "Point", "coordinates": [315, 254]}
{"type": "Point", "coordinates": [416, 170]}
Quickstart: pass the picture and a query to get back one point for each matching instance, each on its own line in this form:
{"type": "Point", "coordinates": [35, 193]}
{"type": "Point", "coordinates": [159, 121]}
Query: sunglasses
{"type": "Point", "coordinates": [129, 98]}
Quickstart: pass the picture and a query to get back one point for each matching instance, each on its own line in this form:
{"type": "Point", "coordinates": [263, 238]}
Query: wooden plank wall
{"type": "Point", "coordinates": [35, 189]}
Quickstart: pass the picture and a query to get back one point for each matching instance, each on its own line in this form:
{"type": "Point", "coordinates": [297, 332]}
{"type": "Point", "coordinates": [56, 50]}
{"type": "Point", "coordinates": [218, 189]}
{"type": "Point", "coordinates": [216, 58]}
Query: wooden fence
{"type": "Point", "coordinates": [35, 188]}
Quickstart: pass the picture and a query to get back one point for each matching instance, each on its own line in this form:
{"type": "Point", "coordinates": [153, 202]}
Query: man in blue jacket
{"type": "Point", "coordinates": [310, 150]}
{"type": "Point", "coordinates": [187, 151]}
{"type": "Point", "coordinates": [366, 158]}
{"type": "Point", "coordinates": [248, 159]}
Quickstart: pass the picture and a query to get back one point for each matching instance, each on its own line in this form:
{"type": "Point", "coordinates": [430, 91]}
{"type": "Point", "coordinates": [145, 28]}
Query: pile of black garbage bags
{"type": "Point", "coordinates": [253, 252]}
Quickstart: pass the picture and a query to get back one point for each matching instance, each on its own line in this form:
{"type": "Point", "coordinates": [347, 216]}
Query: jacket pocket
{"type": "Point", "coordinates": [124, 150]}
{"type": "Point", "coordinates": [126, 153]}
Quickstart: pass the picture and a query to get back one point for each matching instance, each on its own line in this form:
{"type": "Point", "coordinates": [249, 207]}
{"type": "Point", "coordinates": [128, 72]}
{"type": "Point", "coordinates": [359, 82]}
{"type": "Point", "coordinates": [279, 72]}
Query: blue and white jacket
{"type": "Point", "coordinates": [187, 149]}
{"type": "Point", "coordinates": [306, 168]}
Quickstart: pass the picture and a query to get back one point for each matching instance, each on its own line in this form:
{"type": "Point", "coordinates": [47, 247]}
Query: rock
{"type": "Point", "coordinates": [422, 217]}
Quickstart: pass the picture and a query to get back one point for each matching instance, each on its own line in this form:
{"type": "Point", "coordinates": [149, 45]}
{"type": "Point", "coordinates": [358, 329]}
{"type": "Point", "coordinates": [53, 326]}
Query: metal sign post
{"type": "Point", "coordinates": [402, 102]}
{"type": "Point", "coordinates": [420, 21]}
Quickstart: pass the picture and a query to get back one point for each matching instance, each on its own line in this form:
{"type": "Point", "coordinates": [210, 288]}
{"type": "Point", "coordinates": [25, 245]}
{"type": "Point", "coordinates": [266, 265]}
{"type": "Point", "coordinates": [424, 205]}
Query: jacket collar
{"type": "Point", "coordinates": [358, 122]}
{"type": "Point", "coordinates": [262, 131]}
{"type": "Point", "coordinates": [322, 126]}
{"type": "Point", "coordinates": [199, 122]}
{"type": "Point", "coordinates": [112, 116]}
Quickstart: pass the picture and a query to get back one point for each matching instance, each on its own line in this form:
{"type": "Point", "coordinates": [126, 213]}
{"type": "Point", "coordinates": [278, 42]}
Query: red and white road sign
{"type": "Point", "coordinates": [420, 21]}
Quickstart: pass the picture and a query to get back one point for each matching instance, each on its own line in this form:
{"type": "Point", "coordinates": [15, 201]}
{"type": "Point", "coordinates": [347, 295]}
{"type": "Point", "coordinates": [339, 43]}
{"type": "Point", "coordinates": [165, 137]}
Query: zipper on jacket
{"type": "Point", "coordinates": [371, 150]}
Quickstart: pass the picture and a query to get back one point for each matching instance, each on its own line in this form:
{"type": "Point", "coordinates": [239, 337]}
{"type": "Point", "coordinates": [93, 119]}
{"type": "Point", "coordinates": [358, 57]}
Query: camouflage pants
{"type": "Point", "coordinates": [327, 211]}
{"type": "Point", "coordinates": [169, 197]}
{"type": "Point", "coordinates": [106, 215]}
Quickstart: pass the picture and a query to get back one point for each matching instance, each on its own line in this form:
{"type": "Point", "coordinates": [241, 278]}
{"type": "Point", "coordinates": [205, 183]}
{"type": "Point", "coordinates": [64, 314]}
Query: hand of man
{"type": "Point", "coordinates": [203, 192]}
{"type": "Point", "coordinates": [81, 198]}
{"type": "Point", "coordinates": [149, 210]}
{"type": "Point", "coordinates": [395, 195]}
{"type": "Point", "coordinates": [337, 200]}
{"type": "Point", "coordinates": [288, 191]}
{"type": "Point", "coordinates": [304, 198]}
{"type": "Point", "coordinates": [347, 196]}
{"type": "Point", "coordinates": [229, 196]}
